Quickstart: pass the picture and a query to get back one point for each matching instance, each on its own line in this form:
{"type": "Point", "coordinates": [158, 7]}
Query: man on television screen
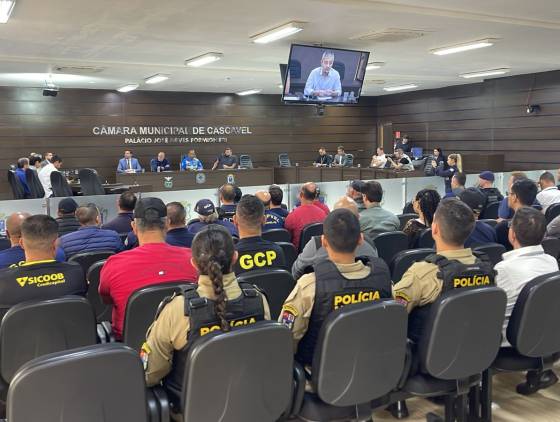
{"type": "Point", "coordinates": [324, 81]}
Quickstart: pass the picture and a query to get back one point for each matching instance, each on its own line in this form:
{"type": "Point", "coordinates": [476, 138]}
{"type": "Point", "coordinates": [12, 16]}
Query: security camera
{"type": "Point", "coordinates": [533, 108]}
{"type": "Point", "coordinates": [50, 91]}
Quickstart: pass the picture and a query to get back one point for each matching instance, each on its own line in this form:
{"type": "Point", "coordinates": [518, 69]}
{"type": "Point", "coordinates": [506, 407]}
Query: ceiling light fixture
{"type": "Point", "coordinates": [374, 65]}
{"type": "Point", "coordinates": [157, 78]}
{"type": "Point", "coordinates": [203, 59]}
{"type": "Point", "coordinates": [6, 8]}
{"type": "Point", "coordinates": [400, 87]}
{"type": "Point", "coordinates": [459, 48]}
{"type": "Point", "coordinates": [249, 92]}
{"type": "Point", "coordinates": [128, 88]}
{"type": "Point", "coordinates": [483, 73]}
{"type": "Point", "coordinates": [278, 33]}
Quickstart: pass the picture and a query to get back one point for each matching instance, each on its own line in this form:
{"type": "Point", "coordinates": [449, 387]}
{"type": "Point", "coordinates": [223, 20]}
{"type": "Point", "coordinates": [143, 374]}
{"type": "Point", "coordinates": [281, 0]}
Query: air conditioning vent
{"type": "Point", "coordinates": [78, 70]}
{"type": "Point", "coordinates": [391, 35]}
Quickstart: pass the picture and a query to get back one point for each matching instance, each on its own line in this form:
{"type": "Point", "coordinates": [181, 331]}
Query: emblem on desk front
{"type": "Point", "coordinates": [200, 178]}
{"type": "Point", "coordinates": [168, 182]}
{"type": "Point", "coordinates": [231, 179]}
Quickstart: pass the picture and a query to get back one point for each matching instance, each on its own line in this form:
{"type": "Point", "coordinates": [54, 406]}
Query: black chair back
{"type": "Point", "coordinates": [87, 259]}
{"type": "Point", "coordinates": [284, 160]}
{"type": "Point", "coordinates": [342, 347]}
{"type": "Point", "coordinates": [551, 246]}
{"type": "Point", "coordinates": [141, 311]}
{"type": "Point", "coordinates": [533, 325]}
{"type": "Point", "coordinates": [276, 284]}
{"type": "Point", "coordinates": [245, 161]}
{"type": "Point", "coordinates": [310, 230]}
{"type": "Point", "coordinates": [340, 67]}
{"type": "Point", "coordinates": [552, 212]}
{"type": "Point", "coordinates": [490, 222]}
{"type": "Point", "coordinates": [33, 329]}
{"type": "Point", "coordinates": [5, 243]}
{"type": "Point", "coordinates": [490, 212]}
{"type": "Point", "coordinates": [35, 187]}
{"type": "Point", "coordinates": [277, 235]}
{"type": "Point", "coordinates": [59, 185]}
{"type": "Point", "coordinates": [93, 384]}
{"type": "Point", "coordinates": [15, 184]}
{"type": "Point", "coordinates": [390, 244]}
{"type": "Point", "coordinates": [102, 311]}
{"type": "Point", "coordinates": [404, 260]}
{"type": "Point", "coordinates": [255, 380]}
{"type": "Point", "coordinates": [90, 183]}
{"type": "Point", "coordinates": [290, 254]}
{"type": "Point", "coordinates": [463, 333]}
{"type": "Point", "coordinates": [404, 218]}
{"type": "Point", "coordinates": [494, 251]}
{"type": "Point", "coordinates": [425, 240]}
{"type": "Point", "coordinates": [349, 160]}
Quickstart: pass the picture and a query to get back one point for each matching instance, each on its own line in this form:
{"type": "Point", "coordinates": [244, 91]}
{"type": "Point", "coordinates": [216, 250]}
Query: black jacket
{"type": "Point", "coordinates": [67, 224]}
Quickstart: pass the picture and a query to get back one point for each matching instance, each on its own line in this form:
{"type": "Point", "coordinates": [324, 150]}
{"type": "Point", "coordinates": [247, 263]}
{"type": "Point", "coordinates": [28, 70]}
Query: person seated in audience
{"type": "Point", "coordinates": [486, 185]}
{"type": "Point", "coordinates": [238, 194]}
{"type": "Point", "coordinates": [379, 160]}
{"type": "Point", "coordinates": [553, 228]}
{"type": "Point", "coordinates": [35, 162]}
{"type": "Point", "coordinates": [15, 253]}
{"type": "Point", "coordinates": [354, 192]}
{"type": "Point", "coordinates": [254, 252]}
{"type": "Point", "coordinates": [482, 233]}
{"type": "Point", "coordinates": [425, 203]}
{"type": "Point", "coordinates": [40, 276]}
{"type": "Point", "coordinates": [549, 193]}
{"type": "Point", "coordinates": [526, 261]}
{"type": "Point", "coordinates": [128, 164]}
{"type": "Point", "coordinates": [177, 232]}
{"type": "Point", "coordinates": [22, 165]}
{"type": "Point", "coordinates": [272, 220]}
{"type": "Point", "coordinates": [305, 214]}
{"type": "Point", "coordinates": [276, 197]}
{"type": "Point", "coordinates": [457, 185]}
{"type": "Point", "coordinates": [45, 174]}
{"type": "Point", "coordinates": [340, 157]}
{"type": "Point", "coordinates": [190, 162]}
{"type": "Point", "coordinates": [375, 220]}
{"type": "Point", "coordinates": [66, 220]}
{"type": "Point", "coordinates": [454, 165]}
{"type": "Point", "coordinates": [323, 160]}
{"type": "Point", "coordinates": [319, 293]}
{"type": "Point", "coordinates": [153, 262]}
{"type": "Point", "coordinates": [313, 252]}
{"type": "Point", "coordinates": [522, 194]}
{"type": "Point", "coordinates": [401, 161]}
{"type": "Point", "coordinates": [226, 161]}
{"type": "Point", "coordinates": [320, 202]}
{"type": "Point", "coordinates": [505, 212]}
{"type": "Point", "coordinates": [179, 322]}
{"type": "Point", "coordinates": [122, 223]}
{"type": "Point", "coordinates": [226, 210]}
{"type": "Point", "coordinates": [160, 163]}
{"type": "Point", "coordinates": [207, 215]}
{"type": "Point", "coordinates": [48, 159]}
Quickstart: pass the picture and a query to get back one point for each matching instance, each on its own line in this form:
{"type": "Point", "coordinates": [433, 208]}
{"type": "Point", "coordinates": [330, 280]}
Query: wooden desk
{"type": "Point", "coordinates": [476, 163]}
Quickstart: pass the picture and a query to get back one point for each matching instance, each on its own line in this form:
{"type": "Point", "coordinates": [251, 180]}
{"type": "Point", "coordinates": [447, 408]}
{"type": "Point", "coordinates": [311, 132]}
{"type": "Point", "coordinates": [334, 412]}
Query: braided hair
{"type": "Point", "coordinates": [213, 251]}
{"type": "Point", "coordinates": [428, 201]}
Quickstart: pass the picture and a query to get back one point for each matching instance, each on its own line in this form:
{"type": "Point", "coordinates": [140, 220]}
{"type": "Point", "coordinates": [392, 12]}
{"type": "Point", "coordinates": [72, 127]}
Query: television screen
{"type": "Point", "coordinates": [324, 75]}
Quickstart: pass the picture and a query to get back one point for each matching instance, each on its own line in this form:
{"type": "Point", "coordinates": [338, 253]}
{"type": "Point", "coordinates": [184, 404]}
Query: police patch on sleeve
{"type": "Point", "coordinates": [288, 316]}
{"type": "Point", "coordinates": [145, 354]}
{"type": "Point", "coordinates": [402, 298]}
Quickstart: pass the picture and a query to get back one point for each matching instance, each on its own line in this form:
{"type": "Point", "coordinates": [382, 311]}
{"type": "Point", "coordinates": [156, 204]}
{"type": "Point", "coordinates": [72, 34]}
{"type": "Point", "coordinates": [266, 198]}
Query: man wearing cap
{"type": "Point", "coordinates": [482, 233]}
{"type": "Point", "coordinates": [375, 220]}
{"type": "Point", "coordinates": [486, 185]}
{"type": "Point", "coordinates": [354, 192]}
{"type": "Point", "coordinates": [207, 214]}
{"type": "Point", "coordinates": [67, 221]}
{"type": "Point", "coordinates": [153, 262]}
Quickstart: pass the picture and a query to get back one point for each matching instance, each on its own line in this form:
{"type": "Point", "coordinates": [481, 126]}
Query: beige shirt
{"type": "Point", "coordinates": [169, 331]}
{"type": "Point", "coordinates": [420, 285]}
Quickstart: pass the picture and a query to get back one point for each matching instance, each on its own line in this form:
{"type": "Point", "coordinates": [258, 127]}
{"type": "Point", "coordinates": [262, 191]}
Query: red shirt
{"type": "Point", "coordinates": [322, 205]}
{"type": "Point", "coordinates": [128, 271]}
{"type": "Point", "coordinates": [301, 217]}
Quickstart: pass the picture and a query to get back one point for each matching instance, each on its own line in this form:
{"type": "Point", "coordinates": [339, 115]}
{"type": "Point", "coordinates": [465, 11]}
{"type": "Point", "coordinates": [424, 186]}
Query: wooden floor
{"type": "Point", "coordinates": [509, 406]}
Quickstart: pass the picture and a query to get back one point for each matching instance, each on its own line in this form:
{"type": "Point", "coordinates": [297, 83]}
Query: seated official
{"type": "Point", "coordinates": [272, 220]}
{"type": "Point", "coordinates": [354, 192]}
{"type": "Point", "coordinates": [177, 232]}
{"type": "Point", "coordinates": [153, 262]}
{"type": "Point", "coordinates": [424, 204]}
{"type": "Point", "coordinates": [226, 161]}
{"type": "Point", "coordinates": [67, 221]}
{"type": "Point", "coordinates": [458, 181]}
{"type": "Point", "coordinates": [482, 233]}
{"type": "Point", "coordinates": [375, 220]}
{"type": "Point", "coordinates": [337, 280]}
{"type": "Point", "coordinates": [276, 198]}
{"type": "Point", "coordinates": [401, 161]}
{"type": "Point", "coordinates": [45, 174]}
{"type": "Point", "coordinates": [190, 162]}
{"type": "Point", "coordinates": [226, 210]}
{"type": "Point", "coordinates": [340, 159]}
{"type": "Point", "coordinates": [486, 185]}
{"type": "Point", "coordinates": [35, 162]}
{"type": "Point", "coordinates": [122, 223]}
{"type": "Point", "coordinates": [89, 237]}
{"type": "Point", "coordinates": [40, 276]}
{"type": "Point", "coordinates": [181, 321]}
{"type": "Point", "coordinates": [160, 163]}
{"type": "Point", "coordinates": [313, 252]}
{"type": "Point", "coordinates": [323, 160]}
{"type": "Point", "coordinates": [128, 164]}
{"type": "Point", "coordinates": [379, 160]}
{"type": "Point", "coordinates": [254, 253]}
{"type": "Point", "coordinates": [207, 215]}
{"type": "Point", "coordinates": [549, 194]}
{"type": "Point", "coordinates": [22, 165]}
{"type": "Point", "coordinates": [505, 212]}
{"type": "Point", "coordinates": [526, 261]}
{"type": "Point", "coordinates": [425, 281]}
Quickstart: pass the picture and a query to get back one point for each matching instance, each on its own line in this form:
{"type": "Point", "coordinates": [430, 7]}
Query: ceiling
{"type": "Point", "coordinates": [133, 39]}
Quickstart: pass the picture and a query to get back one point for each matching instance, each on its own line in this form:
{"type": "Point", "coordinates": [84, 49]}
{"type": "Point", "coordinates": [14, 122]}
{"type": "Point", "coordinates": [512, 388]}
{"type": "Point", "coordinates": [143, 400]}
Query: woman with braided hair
{"type": "Point", "coordinates": [184, 317]}
{"type": "Point", "coordinates": [424, 204]}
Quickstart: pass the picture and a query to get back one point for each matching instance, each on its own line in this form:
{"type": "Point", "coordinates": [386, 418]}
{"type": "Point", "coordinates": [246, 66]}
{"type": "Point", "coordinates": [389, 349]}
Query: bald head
{"type": "Point", "coordinates": [347, 203]}
{"type": "Point", "coordinates": [308, 193]}
{"type": "Point", "coordinates": [13, 226]}
{"type": "Point", "coordinates": [264, 197]}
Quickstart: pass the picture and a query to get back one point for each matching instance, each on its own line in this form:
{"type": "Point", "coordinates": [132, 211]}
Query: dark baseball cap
{"type": "Point", "coordinates": [358, 185]}
{"type": "Point", "coordinates": [67, 206]}
{"type": "Point", "coordinates": [474, 198]}
{"type": "Point", "coordinates": [487, 175]}
{"type": "Point", "coordinates": [145, 204]}
{"type": "Point", "coordinates": [204, 207]}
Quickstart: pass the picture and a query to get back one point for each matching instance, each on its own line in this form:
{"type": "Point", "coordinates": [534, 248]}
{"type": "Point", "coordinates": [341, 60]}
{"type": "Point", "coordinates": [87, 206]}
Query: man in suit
{"type": "Point", "coordinates": [128, 164]}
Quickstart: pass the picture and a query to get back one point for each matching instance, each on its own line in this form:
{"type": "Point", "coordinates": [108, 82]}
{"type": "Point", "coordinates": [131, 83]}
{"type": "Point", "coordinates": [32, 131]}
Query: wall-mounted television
{"type": "Point", "coordinates": [322, 75]}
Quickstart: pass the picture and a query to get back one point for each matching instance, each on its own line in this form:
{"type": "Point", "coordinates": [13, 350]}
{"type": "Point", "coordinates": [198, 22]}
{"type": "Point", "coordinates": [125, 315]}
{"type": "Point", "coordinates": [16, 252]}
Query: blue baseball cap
{"type": "Point", "coordinates": [205, 207]}
{"type": "Point", "coordinates": [487, 175]}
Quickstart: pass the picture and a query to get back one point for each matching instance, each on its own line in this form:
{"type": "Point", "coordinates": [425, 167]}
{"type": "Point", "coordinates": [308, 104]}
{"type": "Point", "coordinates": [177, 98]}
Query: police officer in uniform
{"type": "Point", "coordinates": [338, 281]}
{"type": "Point", "coordinates": [217, 303]}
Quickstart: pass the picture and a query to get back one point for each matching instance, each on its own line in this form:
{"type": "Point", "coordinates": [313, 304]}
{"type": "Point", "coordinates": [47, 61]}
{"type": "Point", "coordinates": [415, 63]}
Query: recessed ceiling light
{"type": "Point", "coordinates": [459, 48]}
{"type": "Point", "coordinates": [400, 87]}
{"type": "Point", "coordinates": [128, 88]}
{"type": "Point", "coordinates": [204, 59]}
{"type": "Point", "coordinates": [6, 8]}
{"type": "Point", "coordinates": [374, 65]}
{"type": "Point", "coordinates": [483, 73]}
{"type": "Point", "coordinates": [278, 33]}
{"type": "Point", "coordinates": [157, 78]}
{"type": "Point", "coordinates": [249, 92]}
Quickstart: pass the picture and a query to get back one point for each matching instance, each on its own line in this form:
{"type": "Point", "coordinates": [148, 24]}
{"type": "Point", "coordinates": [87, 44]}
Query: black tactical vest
{"type": "Point", "coordinates": [245, 310]}
{"type": "Point", "coordinates": [333, 291]}
{"type": "Point", "coordinates": [454, 275]}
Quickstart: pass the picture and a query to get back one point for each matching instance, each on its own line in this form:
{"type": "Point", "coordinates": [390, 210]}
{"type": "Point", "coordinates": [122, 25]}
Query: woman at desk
{"type": "Point", "coordinates": [455, 165]}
